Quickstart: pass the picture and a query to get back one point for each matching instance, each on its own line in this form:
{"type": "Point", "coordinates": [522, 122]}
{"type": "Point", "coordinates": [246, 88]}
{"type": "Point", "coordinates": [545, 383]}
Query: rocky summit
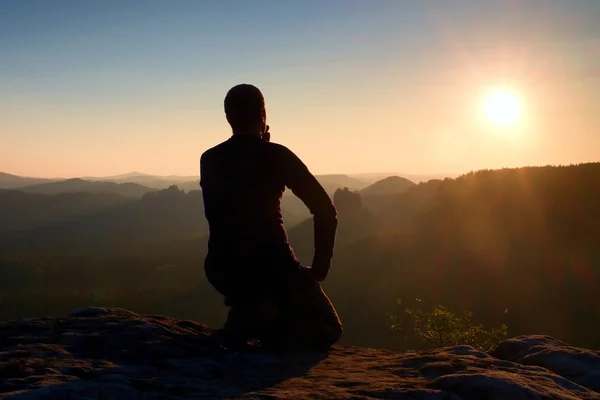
{"type": "Point", "coordinates": [110, 353]}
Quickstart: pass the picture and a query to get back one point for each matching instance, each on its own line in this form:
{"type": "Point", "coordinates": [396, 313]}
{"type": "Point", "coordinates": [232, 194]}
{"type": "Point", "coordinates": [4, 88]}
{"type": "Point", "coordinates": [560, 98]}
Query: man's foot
{"type": "Point", "coordinates": [230, 341]}
{"type": "Point", "coordinates": [278, 342]}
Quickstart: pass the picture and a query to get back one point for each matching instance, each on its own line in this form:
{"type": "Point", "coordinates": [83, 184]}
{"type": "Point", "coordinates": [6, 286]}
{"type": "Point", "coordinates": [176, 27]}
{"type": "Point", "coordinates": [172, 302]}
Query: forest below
{"type": "Point", "coordinates": [515, 246]}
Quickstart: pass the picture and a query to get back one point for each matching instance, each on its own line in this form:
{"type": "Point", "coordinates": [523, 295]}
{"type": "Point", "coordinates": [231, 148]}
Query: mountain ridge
{"type": "Point", "coordinates": [10, 181]}
{"type": "Point", "coordinates": [330, 181]}
{"type": "Point", "coordinates": [74, 185]}
{"type": "Point", "coordinates": [388, 186]}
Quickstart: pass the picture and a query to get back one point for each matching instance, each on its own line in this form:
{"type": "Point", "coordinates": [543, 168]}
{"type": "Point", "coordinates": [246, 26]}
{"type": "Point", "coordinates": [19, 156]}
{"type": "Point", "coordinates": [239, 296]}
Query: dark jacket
{"type": "Point", "coordinates": [243, 180]}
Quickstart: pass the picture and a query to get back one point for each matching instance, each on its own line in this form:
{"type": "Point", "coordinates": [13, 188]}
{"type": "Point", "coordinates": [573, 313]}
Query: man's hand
{"type": "Point", "coordinates": [266, 134]}
{"type": "Point", "coordinates": [313, 274]}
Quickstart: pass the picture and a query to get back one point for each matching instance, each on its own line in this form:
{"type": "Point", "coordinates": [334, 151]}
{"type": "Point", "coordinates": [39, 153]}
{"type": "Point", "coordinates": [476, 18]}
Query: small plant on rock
{"type": "Point", "coordinates": [440, 327]}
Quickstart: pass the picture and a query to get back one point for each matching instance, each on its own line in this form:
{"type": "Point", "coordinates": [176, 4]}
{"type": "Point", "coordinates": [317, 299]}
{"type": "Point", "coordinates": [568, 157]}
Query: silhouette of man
{"type": "Point", "coordinates": [250, 261]}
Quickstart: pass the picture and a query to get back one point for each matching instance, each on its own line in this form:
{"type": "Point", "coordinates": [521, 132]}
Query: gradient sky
{"type": "Point", "coordinates": [92, 87]}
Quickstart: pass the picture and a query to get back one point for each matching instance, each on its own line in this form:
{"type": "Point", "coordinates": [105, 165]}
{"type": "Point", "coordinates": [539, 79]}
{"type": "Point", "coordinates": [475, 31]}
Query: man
{"type": "Point", "coordinates": [272, 296]}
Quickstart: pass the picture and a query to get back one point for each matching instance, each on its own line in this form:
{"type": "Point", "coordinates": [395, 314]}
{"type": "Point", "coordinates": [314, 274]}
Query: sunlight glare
{"type": "Point", "coordinates": [502, 108]}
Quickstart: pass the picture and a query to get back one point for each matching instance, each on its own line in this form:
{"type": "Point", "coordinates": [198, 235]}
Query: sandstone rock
{"type": "Point", "coordinates": [107, 353]}
{"type": "Point", "coordinates": [581, 366]}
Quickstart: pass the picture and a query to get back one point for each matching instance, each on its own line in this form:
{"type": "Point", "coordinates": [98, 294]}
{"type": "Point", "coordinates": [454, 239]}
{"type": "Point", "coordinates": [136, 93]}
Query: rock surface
{"type": "Point", "coordinates": [108, 353]}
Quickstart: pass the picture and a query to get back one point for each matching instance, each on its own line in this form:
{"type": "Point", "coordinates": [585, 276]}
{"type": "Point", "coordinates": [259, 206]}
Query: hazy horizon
{"type": "Point", "coordinates": [366, 175]}
{"type": "Point", "coordinates": [101, 88]}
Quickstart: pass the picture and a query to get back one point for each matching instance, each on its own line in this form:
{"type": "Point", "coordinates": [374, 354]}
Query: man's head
{"type": "Point", "coordinates": [245, 109]}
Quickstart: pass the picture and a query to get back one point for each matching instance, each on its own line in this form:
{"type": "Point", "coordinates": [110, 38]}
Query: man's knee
{"type": "Point", "coordinates": [325, 323]}
{"type": "Point", "coordinates": [331, 333]}
{"type": "Point", "coordinates": [316, 332]}
{"type": "Point", "coordinates": [325, 334]}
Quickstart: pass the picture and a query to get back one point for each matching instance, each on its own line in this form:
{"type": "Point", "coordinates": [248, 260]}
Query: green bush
{"type": "Point", "coordinates": [440, 327]}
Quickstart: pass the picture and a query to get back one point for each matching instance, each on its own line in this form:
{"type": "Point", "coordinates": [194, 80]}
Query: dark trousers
{"type": "Point", "coordinates": [275, 303]}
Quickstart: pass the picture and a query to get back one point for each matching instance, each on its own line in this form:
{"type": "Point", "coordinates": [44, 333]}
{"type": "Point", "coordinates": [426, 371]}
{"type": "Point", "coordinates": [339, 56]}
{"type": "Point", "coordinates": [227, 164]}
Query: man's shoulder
{"type": "Point", "coordinates": [270, 147]}
{"type": "Point", "coordinates": [214, 150]}
{"type": "Point", "coordinates": [279, 148]}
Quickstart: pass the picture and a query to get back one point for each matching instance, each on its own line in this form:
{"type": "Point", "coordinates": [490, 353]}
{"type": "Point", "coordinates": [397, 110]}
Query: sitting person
{"type": "Point", "coordinates": [273, 298]}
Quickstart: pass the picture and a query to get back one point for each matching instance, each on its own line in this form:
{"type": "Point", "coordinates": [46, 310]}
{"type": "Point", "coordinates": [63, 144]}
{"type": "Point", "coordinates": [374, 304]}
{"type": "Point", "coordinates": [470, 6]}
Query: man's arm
{"type": "Point", "coordinates": [306, 187]}
{"type": "Point", "coordinates": [204, 183]}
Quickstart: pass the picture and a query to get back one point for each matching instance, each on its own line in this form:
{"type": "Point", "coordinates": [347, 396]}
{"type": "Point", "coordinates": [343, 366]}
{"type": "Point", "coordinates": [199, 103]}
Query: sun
{"type": "Point", "coordinates": [503, 108]}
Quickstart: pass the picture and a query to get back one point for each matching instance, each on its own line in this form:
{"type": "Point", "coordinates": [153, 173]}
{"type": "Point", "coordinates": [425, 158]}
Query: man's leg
{"type": "Point", "coordinates": [251, 307]}
{"type": "Point", "coordinates": [306, 319]}
{"type": "Point", "coordinates": [249, 321]}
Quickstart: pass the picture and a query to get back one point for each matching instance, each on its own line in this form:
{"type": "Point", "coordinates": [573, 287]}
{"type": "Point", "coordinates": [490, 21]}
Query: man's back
{"type": "Point", "coordinates": [242, 182]}
{"type": "Point", "coordinates": [250, 260]}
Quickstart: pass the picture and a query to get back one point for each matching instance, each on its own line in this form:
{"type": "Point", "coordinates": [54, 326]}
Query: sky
{"type": "Point", "coordinates": [97, 88]}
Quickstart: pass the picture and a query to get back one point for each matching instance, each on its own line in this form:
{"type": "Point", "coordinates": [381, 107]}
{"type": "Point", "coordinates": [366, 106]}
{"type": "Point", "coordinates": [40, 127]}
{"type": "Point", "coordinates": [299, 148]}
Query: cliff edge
{"type": "Point", "coordinates": [111, 353]}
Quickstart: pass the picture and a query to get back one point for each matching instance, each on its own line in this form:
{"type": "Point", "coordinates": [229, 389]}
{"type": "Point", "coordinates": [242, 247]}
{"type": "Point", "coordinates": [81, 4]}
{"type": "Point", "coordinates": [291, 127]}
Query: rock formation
{"type": "Point", "coordinates": [109, 353]}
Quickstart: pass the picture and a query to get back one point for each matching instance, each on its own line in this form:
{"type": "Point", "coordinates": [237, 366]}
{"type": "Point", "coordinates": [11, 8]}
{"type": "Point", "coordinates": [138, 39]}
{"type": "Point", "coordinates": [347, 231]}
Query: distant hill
{"type": "Point", "coordinates": [354, 222]}
{"type": "Point", "coordinates": [330, 182]}
{"type": "Point", "coordinates": [338, 181]}
{"type": "Point", "coordinates": [8, 181]}
{"type": "Point", "coordinates": [83, 221]}
{"type": "Point", "coordinates": [129, 175]}
{"type": "Point", "coordinates": [157, 216]}
{"type": "Point", "coordinates": [20, 211]}
{"type": "Point", "coordinates": [140, 177]}
{"type": "Point", "coordinates": [76, 185]}
{"type": "Point", "coordinates": [151, 181]}
{"type": "Point", "coordinates": [388, 186]}
{"type": "Point", "coordinates": [416, 178]}
{"type": "Point", "coordinates": [190, 185]}
{"type": "Point", "coordinates": [187, 183]}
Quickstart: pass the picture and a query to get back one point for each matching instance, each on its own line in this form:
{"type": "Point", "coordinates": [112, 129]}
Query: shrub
{"type": "Point", "coordinates": [440, 327]}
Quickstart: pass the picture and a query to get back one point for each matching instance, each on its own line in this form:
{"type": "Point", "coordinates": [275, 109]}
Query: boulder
{"type": "Point", "coordinates": [111, 353]}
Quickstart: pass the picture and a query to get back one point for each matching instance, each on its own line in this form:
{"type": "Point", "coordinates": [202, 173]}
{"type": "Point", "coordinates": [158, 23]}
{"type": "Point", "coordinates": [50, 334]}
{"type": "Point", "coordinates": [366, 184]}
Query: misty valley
{"type": "Point", "coordinates": [515, 247]}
